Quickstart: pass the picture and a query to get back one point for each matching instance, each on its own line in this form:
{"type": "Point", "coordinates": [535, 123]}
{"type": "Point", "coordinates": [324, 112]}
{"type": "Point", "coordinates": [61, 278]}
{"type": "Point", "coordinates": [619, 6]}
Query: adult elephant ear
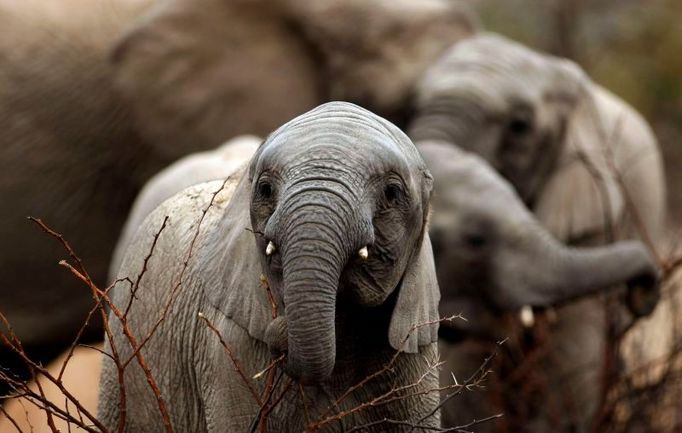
{"type": "Point", "coordinates": [374, 51]}
{"type": "Point", "coordinates": [582, 198]}
{"type": "Point", "coordinates": [415, 316]}
{"type": "Point", "coordinates": [197, 72]}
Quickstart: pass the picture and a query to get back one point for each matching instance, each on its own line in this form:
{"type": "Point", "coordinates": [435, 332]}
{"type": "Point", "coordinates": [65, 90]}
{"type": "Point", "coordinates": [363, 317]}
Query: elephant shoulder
{"type": "Point", "coordinates": [169, 236]}
{"type": "Point", "coordinates": [638, 160]}
{"type": "Point", "coordinates": [193, 169]}
{"type": "Point", "coordinates": [577, 204]}
{"type": "Point", "coordinates": [632, 137]}
{"type": "Point", "coordinates": [610, 149]}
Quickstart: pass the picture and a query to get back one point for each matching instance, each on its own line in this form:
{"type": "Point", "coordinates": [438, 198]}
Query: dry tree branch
{"type": "Point", "coordinates": [135, 287]}
{"type": "Point", "coordinates": [136, 348]}
{"type": "Point", "coordinates": [480, 374]}
{"type": "Point", "coordinates": [418, 425]}
{"type": "Point", "coordinates": [102, 296]}
{"type": "Point", "coordinates": [38, 371]}
{"type": "Point", "coordinates": [102, 301]}
{"type": "Point", "coordinates": [174, 291]}
{"type": "Point", "coordinates": [392, 395]}
{"type": "Point", "coordinates": [99, 296]}
{"type": "Point", "coordinates": [11, 419]}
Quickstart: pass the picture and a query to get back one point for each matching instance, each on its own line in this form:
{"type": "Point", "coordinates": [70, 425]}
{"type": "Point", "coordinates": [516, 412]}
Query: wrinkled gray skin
{"type": "Point", "coordinates": [98, 95]}
{"type": "Point", "coordinates": [190, 170]}
{"type": "Point", "coordinates": [532, 116]}
{"type": "Point", "coordinates": [320, 188]}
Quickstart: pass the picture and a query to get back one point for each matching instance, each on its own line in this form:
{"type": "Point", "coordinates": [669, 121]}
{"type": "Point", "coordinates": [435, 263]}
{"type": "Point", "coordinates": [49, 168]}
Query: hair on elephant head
{"type": "Point", "coordinates": [338, 200]}
{"type": "Point", "coordinates": [493, 256]}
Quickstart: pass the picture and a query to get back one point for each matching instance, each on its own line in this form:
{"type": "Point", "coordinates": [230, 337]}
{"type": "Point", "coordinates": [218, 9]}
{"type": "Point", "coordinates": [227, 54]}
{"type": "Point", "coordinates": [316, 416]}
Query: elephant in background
{"type": "Point", "coordinates": [547, 128]}
{"type": "Point", "coordinates": [177, 65]}
{"type": "Point", "coordinates": [567, 146]}
{"type": "Point", "coordinates": [332, 212]}
{"type": "Point", "coordinates": [492, 258]}
{"type": "Point", "coordinates": [96, 96]}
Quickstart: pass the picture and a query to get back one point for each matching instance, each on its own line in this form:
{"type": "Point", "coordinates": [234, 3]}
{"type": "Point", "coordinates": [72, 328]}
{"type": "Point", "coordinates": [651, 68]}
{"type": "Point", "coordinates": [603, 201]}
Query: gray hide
{"type": "Point", "coordinates": [187, 171]}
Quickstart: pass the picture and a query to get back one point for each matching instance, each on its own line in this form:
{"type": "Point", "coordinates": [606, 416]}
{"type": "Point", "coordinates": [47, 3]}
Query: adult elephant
{"type": "Point", "coordinates": [96, 96]}
{"type": "Point", "coordinates": [571, 149]}
{"type": "Point", "coordinates": [331, 212]}
{"type": "Point", "coordinates": [493, 258]}
{"type": "Point", "coordinates": [203, 71]}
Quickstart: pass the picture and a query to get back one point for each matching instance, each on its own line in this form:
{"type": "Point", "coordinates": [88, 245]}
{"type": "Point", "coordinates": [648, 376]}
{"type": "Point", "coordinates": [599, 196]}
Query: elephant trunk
{"type": "Point", "coordinates": [312, 260]}
{"type": "Point", "coordinates": [563, 273]}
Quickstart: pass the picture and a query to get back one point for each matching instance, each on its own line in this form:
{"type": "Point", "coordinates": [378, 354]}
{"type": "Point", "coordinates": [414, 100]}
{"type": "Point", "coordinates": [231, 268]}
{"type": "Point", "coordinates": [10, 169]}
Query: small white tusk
{"type": "Point", "coordinates": [527, 317]}
{"type": "Point", "coordinates": [270, 248]}
{"type": "Point", "coordinates": [363, 253]}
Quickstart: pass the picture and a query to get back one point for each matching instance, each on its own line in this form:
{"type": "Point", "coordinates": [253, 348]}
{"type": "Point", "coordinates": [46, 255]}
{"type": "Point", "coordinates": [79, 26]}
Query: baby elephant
{"type": "Point", "coordinates": [493, 257]}
{"type": "Point", "coordinates": [317, 255]}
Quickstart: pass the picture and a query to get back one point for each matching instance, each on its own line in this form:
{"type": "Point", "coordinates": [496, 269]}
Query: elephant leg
{"type": "Point", "coordinates": [576, 365]}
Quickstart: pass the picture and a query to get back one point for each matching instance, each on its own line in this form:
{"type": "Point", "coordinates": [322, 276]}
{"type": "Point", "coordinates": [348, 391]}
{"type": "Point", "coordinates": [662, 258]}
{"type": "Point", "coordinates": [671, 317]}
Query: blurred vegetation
{"type": "Point", "coordinates": [632, 47]}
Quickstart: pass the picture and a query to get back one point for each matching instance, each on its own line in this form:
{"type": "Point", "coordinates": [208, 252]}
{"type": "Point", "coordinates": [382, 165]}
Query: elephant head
{"type": "Point", "coordinates": [492, 254]}
{"type": "Point", "coordinates": [515, 107]}
{"type": "Point", "coordinates": [338, 200]}
{"type": "Point", "coordinates": [198, 72]}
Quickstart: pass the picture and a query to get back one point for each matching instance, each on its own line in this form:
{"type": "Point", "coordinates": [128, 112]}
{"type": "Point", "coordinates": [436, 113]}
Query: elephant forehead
{"type": "Point", "coordinates": [343, 132]}
{"type": "Point", "coordinates": [490, 65]}
{"type": "Point", "coordinates": [333, 148]}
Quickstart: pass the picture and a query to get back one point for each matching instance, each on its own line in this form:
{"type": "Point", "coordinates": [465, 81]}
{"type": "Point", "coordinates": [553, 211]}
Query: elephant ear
{"type": "Point", "coordinates": [232, 277]}
{"type": "Point", "coordinates": [415, 316]}
{"type": "Point", "coordinates": [582, 198]}
{"type": "Point", "coordinates": [197, 72]}
{"type": "Point", "coordinates": [374, 51]}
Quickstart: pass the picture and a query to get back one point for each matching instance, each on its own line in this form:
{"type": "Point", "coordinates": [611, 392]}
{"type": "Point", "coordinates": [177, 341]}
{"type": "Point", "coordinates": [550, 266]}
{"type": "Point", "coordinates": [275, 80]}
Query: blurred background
{"type": "Point", "coordinates": [632, 47]}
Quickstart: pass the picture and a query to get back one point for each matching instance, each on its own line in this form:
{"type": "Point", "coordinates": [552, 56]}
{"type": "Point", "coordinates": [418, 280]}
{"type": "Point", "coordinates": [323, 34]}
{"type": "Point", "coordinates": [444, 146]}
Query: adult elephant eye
{"type": "Point", "coordinates": [520, 121]}
{"type": "Point", "coordinates": [393, 193]}
{"type": "Point", "coordinates": [519, 126]}
{"type": "Point", "coordinates": [265, 190]}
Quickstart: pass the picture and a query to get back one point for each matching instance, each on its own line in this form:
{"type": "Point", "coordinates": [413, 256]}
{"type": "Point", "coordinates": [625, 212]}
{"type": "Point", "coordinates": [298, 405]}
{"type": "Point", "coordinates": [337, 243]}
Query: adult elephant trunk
{"type": "Point", "coordinates": [313, 256]}
{"type": "Point", "coordinates": [558, 273]}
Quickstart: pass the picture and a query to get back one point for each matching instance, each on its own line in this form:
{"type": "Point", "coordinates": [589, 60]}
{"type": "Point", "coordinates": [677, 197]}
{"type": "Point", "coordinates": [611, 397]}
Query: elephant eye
{"type": "Point", "coordinates": [265, 189]}
{"type": "Point", "coordinates": [519, 126]}
{"type": "Point", "coordinates": [393, 193]}
{"type": "Point", "coordinates": [475, 240]}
